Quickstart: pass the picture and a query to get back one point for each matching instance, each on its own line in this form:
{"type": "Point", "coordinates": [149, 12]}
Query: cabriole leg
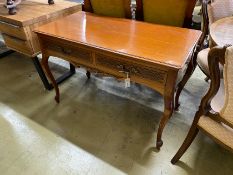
{"type": "Point", "coordinates": [169, 91]}
{"type": "Point", "coordinates": [45, 64]}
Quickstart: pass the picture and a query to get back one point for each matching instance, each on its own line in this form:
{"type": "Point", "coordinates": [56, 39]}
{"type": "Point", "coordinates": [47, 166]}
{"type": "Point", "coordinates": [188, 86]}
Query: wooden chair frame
{"type": "Point", "coordinates": [216, 56]}
{"type": "Point", "coordinates": [87, 7]}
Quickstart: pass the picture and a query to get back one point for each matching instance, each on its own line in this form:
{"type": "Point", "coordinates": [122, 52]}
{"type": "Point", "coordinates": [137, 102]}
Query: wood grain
{"type": "Point", "coordinates": [31, 13]}
{"type": "Point", "coordinates": [154, 55]}
{"type": "Point", "coordinates": [155, 43]}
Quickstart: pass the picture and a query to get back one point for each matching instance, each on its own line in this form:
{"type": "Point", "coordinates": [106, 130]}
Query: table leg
{"type": "Point", "coordinates": [191, 67]}
{"type": "Point", "coordinates": [43, 77]}
{"type": "Point", "coordinates": [5, 53]}
{"type": "Point", "coordinates": [169, 92]}
{"type": "Point", "coordinates": [45, 64]}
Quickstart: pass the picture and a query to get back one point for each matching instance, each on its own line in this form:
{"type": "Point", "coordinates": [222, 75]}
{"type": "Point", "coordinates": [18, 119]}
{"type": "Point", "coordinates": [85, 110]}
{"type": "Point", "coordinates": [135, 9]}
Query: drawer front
{"type": "Point", "coordinates": [134, 69]}
{"type": "Point", "coordinates": [78, 55]}
{"type": "Point", "coordinates": [18, 44]}
{"type": "Point", "coordinates": [13, 30]}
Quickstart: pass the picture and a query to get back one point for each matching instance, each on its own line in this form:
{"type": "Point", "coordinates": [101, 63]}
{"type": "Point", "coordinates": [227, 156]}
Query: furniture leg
{"type": "Point", "coordinates": [187, 142]}
{"type": "Point", "coordinates": [50, 2]}
{"type": "Point", "coordinates": [168, 110]}
{"type": "Point", "coordinates": [88, 74]}
{"type": "Point", "coordinates": [43, 77]}
{"type": "Point", "coordinates": [169, 92]}
{"type": "Point", "coordinates": [45, 64]}
{"type": "Point", "coordinates": [4, 51]}
{"type": "Point", "coordinates": [191, 67]}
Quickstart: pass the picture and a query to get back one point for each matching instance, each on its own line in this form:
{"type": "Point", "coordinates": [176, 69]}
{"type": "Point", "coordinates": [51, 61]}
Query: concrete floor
{"type": "Point", "coordinates": [99, 128]}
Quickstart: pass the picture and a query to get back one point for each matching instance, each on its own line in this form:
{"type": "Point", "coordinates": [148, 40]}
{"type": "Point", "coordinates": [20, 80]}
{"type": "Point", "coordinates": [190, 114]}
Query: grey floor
{"type": "Point", "coordinates": [98, 128]}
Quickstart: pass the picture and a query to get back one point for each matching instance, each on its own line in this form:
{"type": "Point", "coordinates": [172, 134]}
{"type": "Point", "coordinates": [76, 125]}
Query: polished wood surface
{"type": "Point", "coordinates": [12, 4]}
{"type": "Point", "coordinates": [221, 31]}
{"type": "Point", "coordinates": [154, 55]}
{"type": "Point", "coordinates": [156, 43]}
{"type": "Point", "coordinates": [34, 11]}
{"type": "Point", "coordinates": [18, 29]}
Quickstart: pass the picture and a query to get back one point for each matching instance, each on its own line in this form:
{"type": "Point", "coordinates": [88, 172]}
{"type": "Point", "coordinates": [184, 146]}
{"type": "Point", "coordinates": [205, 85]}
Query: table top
{"type": "Point", "coordinates": [221, 31]}
{"type": "Point", "coordinates": [165, 45]}
{"type": "Point", "coordinates": [34, 11]}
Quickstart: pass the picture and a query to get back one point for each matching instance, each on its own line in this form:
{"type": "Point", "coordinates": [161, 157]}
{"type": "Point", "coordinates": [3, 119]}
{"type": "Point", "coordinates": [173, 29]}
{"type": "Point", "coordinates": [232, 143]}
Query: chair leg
{"type": "Point", "coordinates": [88, 74]}
{"type": "Point", "coordinates": [187, 142]}
{"type": "Point", "coordinates": [182, 83]}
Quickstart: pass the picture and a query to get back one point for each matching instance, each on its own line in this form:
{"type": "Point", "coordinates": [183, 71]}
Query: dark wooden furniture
{"type": "Point", "coordinates": [214, 120]}
{"type": "Point", "coordinates": [154, 55]}
{"type": "Point", "coordinates": [17, 30]}
{"type": "Point", "coordinates": [162, 12]}
{"type": "Point", "coordinates": [12, 4]}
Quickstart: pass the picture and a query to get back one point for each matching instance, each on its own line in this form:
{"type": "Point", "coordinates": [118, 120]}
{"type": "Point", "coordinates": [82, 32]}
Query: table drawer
{"type": "Point", "coordinates": [13, 30]}
{"type": "Point", "coordinates": [18, 44]}
{"type": "Point", "coordinates": [78, 55]}
{"type": "Point", "coordinates": [135, 70]}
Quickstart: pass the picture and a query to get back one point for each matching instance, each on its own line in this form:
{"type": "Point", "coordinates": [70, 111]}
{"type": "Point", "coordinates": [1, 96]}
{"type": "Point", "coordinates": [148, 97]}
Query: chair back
{"type": "Point", "coordinates": [220, 9]}
{"type": "Point", "coordinates": [167, 12]}
{"type": "Point", "coordinates": [112, 8]}
{"type": "Point", "coordinates": [227, 111]}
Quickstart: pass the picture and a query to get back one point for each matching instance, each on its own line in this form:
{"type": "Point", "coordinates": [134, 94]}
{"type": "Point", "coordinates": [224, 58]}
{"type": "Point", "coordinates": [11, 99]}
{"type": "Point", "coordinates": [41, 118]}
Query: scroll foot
{"type": "Point", "coordinates": [159, 144]}
{"type": "Point", "coordinates": [57, 99]}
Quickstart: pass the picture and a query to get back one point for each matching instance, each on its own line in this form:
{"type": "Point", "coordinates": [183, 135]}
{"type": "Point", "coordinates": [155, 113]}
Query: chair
{"type": "Point", "coordinates": [170, 12]}
{"type": "Point", "coordinates": [111, 8]}
{"type": "Point", "coordinates": [214, 119]}
{"type": "Point", "coordinates": [214, 11]}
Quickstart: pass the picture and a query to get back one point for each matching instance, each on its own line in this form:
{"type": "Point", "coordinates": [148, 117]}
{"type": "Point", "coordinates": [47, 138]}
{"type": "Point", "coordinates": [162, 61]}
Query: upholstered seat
{"type": "Point", "coordinates": [202, 59]}
{"type": "Point", "coordinates": [220, 132]}
{"type": "Point", "coordinates": [215, 114]}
